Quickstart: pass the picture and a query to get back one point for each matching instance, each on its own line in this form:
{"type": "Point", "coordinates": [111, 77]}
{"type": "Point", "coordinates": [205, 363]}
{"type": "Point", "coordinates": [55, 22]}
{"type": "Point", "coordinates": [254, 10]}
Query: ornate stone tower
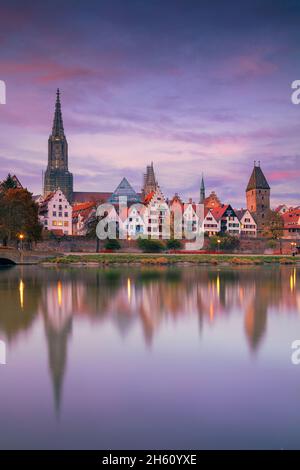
{"type": "Point", "coordinates": [150, 183]}
{"type": "Point", "coordinates": [258, 196]}
{"type": "Point", "coordinates": [57, 174]}
{"type": "Point", "coordinates": [202, 191]}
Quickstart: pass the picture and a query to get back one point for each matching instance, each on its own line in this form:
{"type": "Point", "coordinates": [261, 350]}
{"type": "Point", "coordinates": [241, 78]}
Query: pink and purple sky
{"type": "Point", "coordinates": [194, 86]}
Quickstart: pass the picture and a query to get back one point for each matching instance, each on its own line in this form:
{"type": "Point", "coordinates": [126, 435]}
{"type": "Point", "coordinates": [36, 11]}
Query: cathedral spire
{"type": "Point", "coordinates": [58, 127]}
{"type": "Point", "coordinates": [202, 191]}
{"type": "Point", "coordinates": [150, 182]}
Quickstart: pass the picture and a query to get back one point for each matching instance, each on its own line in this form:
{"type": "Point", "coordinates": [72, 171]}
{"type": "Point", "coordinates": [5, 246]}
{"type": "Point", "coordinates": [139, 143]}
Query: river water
{"type": "Point", "coordinates": [177, 358]}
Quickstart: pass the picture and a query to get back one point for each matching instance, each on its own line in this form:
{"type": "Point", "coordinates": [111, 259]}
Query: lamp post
{"type": "Point", "coordinates": [293, 246]}
{"type": "Point", "coordinates": [219, 241]}
{"type": "Point", "coordinates": [21, 238]}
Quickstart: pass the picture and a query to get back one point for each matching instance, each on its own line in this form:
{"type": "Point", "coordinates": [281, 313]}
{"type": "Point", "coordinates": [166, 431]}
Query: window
{"type": "Point", "coordinates": [66, 214]}
{"type": "Point", "coordinates": [66, 224]}
{"type": "Point", "coordinates": [54, 214]}
{"type": "Point", "coordinates": [60, 214]}
{"type": "Point", "coordinates": [54, 223]}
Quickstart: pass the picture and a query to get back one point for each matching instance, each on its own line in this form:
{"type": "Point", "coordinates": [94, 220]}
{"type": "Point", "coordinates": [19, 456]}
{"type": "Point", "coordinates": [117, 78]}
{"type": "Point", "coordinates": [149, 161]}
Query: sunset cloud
{"type": "Point", "coordinates": [193, 89]}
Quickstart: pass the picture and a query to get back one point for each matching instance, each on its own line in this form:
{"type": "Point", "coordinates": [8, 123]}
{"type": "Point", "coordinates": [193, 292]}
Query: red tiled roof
{"type": "Point", "coordinates": [149, 197]}
{"type": "Point", "coordinates": [218, 212]}
{"type": "Point", "coordinates": [83, 206]}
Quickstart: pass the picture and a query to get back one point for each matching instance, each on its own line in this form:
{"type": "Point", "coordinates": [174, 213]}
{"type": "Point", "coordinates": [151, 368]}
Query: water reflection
{"type": "Point", "coordinates": [149, 297]}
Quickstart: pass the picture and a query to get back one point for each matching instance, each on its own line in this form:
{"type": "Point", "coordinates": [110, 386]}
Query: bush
{"type": "Point", "coordinates": [112, 244]}
{"type": "Point", "coordinates": [271, 244]}
{"type": "Point", "coordinates": [226, 242]}
{"type": "Point", "coordinates": [150, 246]}
{"type": "Point", "coordinates": [173, 244]}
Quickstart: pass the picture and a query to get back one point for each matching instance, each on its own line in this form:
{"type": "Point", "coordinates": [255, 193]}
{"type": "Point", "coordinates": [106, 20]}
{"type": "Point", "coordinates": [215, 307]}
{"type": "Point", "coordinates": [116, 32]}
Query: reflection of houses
{"type": "Point", "coordinates": [144, 300]}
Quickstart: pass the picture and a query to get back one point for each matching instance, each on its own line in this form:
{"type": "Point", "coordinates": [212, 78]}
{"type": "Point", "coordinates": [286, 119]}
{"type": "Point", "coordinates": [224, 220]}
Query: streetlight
{"type": "Point", "coordinates": [219, 241]}
{"type": "Point", "coordinates": [293, 246]}
{"type": "Point", "coordinates": [21, 238]}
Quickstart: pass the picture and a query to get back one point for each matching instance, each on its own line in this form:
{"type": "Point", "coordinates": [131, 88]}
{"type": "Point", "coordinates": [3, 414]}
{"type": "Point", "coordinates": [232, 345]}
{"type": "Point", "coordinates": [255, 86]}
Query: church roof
{"type": "Point", "coordinates": [257, 179]}
{"type": "Point", "coordinates": [124, 189]}
{"type": "Point", "coordinates": [90, 196]}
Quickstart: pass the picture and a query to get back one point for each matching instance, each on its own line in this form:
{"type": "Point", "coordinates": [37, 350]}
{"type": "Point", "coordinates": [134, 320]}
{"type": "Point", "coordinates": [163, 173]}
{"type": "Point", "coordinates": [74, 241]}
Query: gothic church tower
{"type": "Point", "coordinates": [57, 174]}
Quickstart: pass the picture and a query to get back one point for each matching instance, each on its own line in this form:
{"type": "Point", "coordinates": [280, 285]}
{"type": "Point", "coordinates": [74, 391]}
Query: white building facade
{"type": "Point", "coordinates": [56, 213]}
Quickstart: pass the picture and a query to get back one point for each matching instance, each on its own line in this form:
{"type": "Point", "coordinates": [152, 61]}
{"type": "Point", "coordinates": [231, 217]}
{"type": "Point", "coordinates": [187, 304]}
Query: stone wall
{"type": "Point", "coordinates": [83, 244]}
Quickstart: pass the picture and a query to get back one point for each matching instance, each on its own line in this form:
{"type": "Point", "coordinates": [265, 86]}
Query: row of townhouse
{"type": "Point", "coordinates": [154, 218]}
{"type": "Point", "coordinates": [291, 223]}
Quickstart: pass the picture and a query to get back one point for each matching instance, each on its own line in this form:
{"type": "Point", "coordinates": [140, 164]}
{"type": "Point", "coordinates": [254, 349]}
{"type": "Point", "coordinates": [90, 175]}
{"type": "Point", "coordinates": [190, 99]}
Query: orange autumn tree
{"type": "Point", "coordinates": [18, 214]}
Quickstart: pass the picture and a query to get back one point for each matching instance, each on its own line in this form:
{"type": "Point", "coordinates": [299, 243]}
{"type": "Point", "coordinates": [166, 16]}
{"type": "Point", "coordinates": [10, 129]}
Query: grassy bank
{"type": "Point", "coordinates": [151, 259]}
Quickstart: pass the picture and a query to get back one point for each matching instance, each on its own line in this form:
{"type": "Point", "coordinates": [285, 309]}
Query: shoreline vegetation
{"type": "Point", "coordinates": [169, 259]}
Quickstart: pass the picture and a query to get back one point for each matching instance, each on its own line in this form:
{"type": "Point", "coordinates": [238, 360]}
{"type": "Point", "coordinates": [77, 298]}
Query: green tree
{"type": "Point", "coordinates": [8, 183]}
{"type": "Point", "coordinates": [273, 225]}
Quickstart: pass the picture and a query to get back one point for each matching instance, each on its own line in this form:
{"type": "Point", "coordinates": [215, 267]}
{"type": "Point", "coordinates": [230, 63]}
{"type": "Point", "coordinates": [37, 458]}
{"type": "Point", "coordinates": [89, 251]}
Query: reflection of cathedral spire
{"type": "Point", "coordinates": [58, 325]}
{"type": "Point", "coordinates": [57, 348]}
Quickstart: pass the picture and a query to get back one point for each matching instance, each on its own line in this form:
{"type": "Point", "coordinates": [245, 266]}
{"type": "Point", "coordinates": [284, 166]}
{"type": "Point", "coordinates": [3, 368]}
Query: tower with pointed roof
{"type": "Point", "coordinates": [258, 196]}
{"type": "Point", "coordinates": [202, 191]}
{"type": "Point", "coordinates": [150, 182]}
{"type": "Point", "coordinates": [57, 174]}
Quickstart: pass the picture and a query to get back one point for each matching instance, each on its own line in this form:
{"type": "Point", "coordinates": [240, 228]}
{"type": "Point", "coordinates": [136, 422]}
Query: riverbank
{"type": "Point", "coordinates": [169, 259]}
